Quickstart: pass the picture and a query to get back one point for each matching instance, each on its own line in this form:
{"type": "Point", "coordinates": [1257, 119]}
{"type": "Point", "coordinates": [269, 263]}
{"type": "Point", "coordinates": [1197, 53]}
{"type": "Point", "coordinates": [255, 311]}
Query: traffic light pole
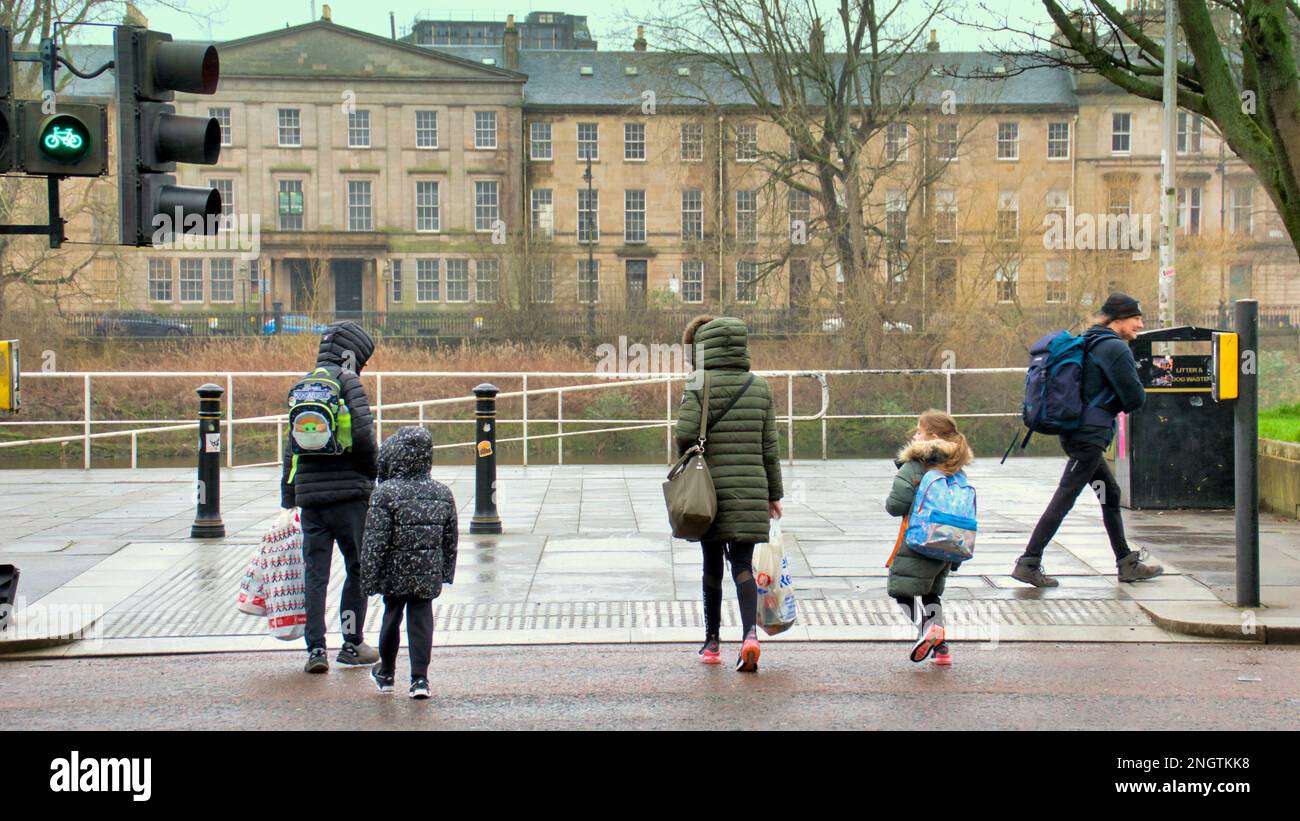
{"type": "Point", "coordinates": [54, 229]}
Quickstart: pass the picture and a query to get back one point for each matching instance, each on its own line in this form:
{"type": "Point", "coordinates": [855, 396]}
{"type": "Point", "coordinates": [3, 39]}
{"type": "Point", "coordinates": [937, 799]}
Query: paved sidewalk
{"type": "Point", "coordinates": [587, 557]}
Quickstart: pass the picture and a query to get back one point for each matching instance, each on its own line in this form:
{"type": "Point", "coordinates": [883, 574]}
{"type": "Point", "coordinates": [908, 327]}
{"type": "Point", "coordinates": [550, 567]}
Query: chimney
{"type": "Point", "coordinates": [816, 39]}
{"type": "Point", "coordinates": [511, 43]}
{"type": "Point", "coordinates": [325, 13]}
{"type": "Point", "coordinates": [639, 43]}
{"type": "Point", "coordinates": [134, 17]}
{"type": "Point", "coordinates": [392, 24]}
{"type": "Point", "coordinates": [933, 45]}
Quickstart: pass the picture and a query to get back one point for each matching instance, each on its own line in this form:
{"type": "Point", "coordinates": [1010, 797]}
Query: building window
{"type": "Point", "coordinates": [395, 266]}
{"type": "Point", "coordinates": [1057, 281]}
{"type": "Point", "coordinates": [589, 281]}
{"type": "Point", "coordinates": [1058, 203]}
{"type": "Point", "coordinates": [588, 216]}
{"type": "Point", "coordinates": [747, 216]}
{"type": "Point", "coordinates": [160, 280]}
{"type": "Point", "coordinates": [1243, 206]}
{"type": "Point", "coordinates": [692, 215]}
{"type": "Point", "coordinates": [692, 280]}
{"type": "Point", "coordinates": [692, 142]}
{"type": "Point", "coordinates": [944, 281]}
{"type": "Point", "coordinates": [485, 204]}
{"type": "Point", "coordinates": [427, 216]}
{"type": "Point", "coordinates": [222, 116]}
{"type": "Point", "coordinates": [945, 216]}
{"type": "Point", "coordinates": [1008, 215]}
{"type": "Point", "coordinates": [543, 280]}
{"type": "Point", "coordinates": [800, 211]}
{"type": "Point", "coordinates": [291, 205]}
{"type": "Point", "coordinates": [360, 208]}
{"type": "Point", "coordinates": [1189, 133]}
{"type": "Point", "coordinates": [1121, 132]}
{"type": "Point", "coordinates": [896, 215]}
{"type": "Point", "coordinates": [486, 274]}
{"type": "Point", "coordinates": [543, 213]}
{"type": "Point", "coordinates": [746, 142]}
{"type": "Point", "coordinates": [589, 141]}
{"type": "Point", "coordinates": [746, 281]}
{"type": "Point", "coordinates": [358, 129]}
{"type": "Point", "coordinates": [634, 216]}
{"type": "Point", "coordinates": [1007, 278]}
{"type": "Point", "coordinates": [895, 278]}
{"type": "Point", "coordinates": [226, 188]}
{"type": "Point", "coordinates": [458, 280]}
{"type": "Point", "coordinates": [1189, 210]}
{"type": "Point", "coordinates": [1240, 282]}
{"type": "Point", "coordinates": [945, 141]}
{"type": "Point", "coordinates": [1119, 201]}
{"type": "Point", "coordinates": [426, 129]}
{"type": "Point", "coordinates": [896, 142]}
{"type": "Point", "coordinates": [1008, 141]}
{"type": "Point", "coordinates": [634, 141]}
{"type": "Point", "coordinates": [539, 141]}
{"type": "Point", "coordinates": [290, 127]}
{"type": "Point", "coordinates": [1058, 141]}
{"type": "Point", "coordinates": [485, 129]}
{"type": "Point", "coordinates": [222, 270]}
{"type": "Point", "coordinates": [191, 279]}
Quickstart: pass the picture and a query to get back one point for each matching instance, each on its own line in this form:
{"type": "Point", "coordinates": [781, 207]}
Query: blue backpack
{"type": "Point", "coordinates": [942, 522]}
{"type": "Point", "coordinates": [1054, 402]}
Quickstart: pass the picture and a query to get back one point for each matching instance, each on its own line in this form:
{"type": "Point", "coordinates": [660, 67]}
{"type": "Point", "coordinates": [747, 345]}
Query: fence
{"type": "Point", "coordinates": [398, 413]}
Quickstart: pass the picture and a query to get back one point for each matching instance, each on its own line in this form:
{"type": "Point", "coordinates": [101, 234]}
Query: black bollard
{"type": "Point", "coordinates": [485, 518]}
{"type": "Point", "coordinates": [1246, 445]}
{"type": "Point", "coordinates": [207, 521]}
{"type": "Point", "coordinates": [8, 594]}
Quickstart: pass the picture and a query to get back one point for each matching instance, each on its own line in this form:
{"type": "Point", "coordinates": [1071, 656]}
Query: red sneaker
{"type": "Point", "coordinates": [749, 653]}
{"type": "Point", "coordinates": [930, 638]}
{"type": "Point", "coordinates": [942, 656]}
{"type": "Point", "coordinates": [711, 653]}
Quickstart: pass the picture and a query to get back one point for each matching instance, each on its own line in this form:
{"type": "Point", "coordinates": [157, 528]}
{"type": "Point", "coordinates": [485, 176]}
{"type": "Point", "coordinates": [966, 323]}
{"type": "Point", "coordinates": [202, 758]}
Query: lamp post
{"type": "Point", "coordinates": [591, 302]}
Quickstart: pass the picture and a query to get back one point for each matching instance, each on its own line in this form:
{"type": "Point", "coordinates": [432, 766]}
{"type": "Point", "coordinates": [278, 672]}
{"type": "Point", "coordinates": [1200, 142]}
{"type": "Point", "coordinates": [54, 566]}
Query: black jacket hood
{"type": "Point", "coordinates": [407, 454]}
{"type": "Point", "coordinates": [343, 337]}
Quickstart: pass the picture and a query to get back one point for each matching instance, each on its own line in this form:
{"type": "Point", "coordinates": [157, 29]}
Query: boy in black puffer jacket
{"type": "Point", "coordinates": [409, 552]}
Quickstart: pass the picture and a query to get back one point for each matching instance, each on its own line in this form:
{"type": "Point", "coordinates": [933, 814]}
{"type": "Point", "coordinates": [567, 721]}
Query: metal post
{"type": "Point", "coordinates": [668, 419]}
{"type": "Point", "coordinates": [789, 408]}
{"type": "Point", "coordinates": [1246, 446]}
{"type": "Point", "coordinates": [133, 450]}
{"type": "Point", "coordinates": [947, 377]}
{"type": "Point", "coordinates": [485, 518]}
{"type": "Point", "coordinates": [207, 520]}
{"type": "Point", "coordinates": [279, 441]}
{"type": "Point", "coordinates": [1169, 193]}
{"type": "Point", "coordinates": [230, 420]}
{"type": "Point", "coordinates": [379, 407]}
{"type": "Point", "coordinates": [86, 416]}
{"type": "Point", "coordinates": [823, 438]}
{"type": "Point", "coordinates": [559, 426]}
{"type": "Point", "coordinates": [525, 420]}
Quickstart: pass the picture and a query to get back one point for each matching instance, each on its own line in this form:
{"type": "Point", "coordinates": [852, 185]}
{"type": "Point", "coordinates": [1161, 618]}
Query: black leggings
{"type": "Point", "coordinates": [932, 608]}
{"type": "Point", "coordinates": [742, 573]}
{"type": "Point", "coordinates": [419, 634]}
{"type": "Point", "coordinates": [1087, 467]}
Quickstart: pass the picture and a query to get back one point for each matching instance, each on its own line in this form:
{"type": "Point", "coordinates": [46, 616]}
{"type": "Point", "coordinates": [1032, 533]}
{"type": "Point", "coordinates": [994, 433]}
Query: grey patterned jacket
{"type": "Point", "coordinates": [409, 548]}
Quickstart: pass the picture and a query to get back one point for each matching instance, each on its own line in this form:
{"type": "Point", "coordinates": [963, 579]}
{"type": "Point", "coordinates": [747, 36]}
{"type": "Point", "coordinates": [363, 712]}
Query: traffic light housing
{"type": "Point", "coordinates": [7, 125]}
{"type": "Point", "coordinates": [152, 138]}
{"type": "Point", "coordinates": [71, 141]}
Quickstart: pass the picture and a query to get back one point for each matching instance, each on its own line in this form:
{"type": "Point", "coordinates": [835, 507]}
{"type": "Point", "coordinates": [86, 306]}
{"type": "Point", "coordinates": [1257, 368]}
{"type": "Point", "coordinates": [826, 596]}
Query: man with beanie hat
{"type": "Point", "coordinates": [1110, 380]}
{"type": "Point", "coordinates": [334, 494]}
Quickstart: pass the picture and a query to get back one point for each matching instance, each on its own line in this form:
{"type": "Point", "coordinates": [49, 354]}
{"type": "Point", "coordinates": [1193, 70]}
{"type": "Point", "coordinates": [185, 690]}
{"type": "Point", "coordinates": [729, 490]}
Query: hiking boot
{"type": "Point", "coordinates": [747, 662]}
{"type": "Point", "coordinates": [711, 652]}
{"type": "Point", "coordinates": [1030, 571]}
{"type": "Point", "coordinates": [419, 688]}
{"type": "Point", "coordinates": [942, 656]}
{"type": "Point", "coordinates": [316, 661]}
{"type": "Point", "coordinates": [356, 655]}
{"type": "Point", "coordinates": [931, 637]}
{"type": "Point", "coordinates": [1132, 568]}
{"type": "Point", "coordinates": [383, 681]}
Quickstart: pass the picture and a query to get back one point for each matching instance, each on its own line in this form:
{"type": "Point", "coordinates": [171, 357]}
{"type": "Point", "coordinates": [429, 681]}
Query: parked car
{"type": "Point", "coordinates": [294, 324]}
{"type": "Point", "coordinates": [140, 323]}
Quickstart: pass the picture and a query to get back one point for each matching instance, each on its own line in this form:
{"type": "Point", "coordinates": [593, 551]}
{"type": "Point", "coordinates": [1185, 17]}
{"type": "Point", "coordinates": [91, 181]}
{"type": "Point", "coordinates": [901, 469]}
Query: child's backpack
{"type": "Point", "coordinates": [320, 423]}
{"type": "Point", "coordinates": [942, 522]}
{"type": "Point", "coordinates": [1054, 402]}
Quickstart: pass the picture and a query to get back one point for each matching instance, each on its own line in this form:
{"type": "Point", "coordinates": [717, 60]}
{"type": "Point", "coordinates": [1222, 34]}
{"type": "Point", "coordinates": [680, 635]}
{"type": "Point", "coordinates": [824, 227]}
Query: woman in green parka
{"type": "Point", "coordinates": [916, 582]}
{"type": "Point", "coordinates": [742, 455]}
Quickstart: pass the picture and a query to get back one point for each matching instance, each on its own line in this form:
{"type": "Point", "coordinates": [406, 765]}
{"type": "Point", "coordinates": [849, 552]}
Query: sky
{"type": "Point", "coordinates": [608, 20]}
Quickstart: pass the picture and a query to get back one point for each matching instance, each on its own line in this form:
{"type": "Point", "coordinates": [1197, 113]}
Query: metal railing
{"type": "Point", "coordinates": [385, 412]}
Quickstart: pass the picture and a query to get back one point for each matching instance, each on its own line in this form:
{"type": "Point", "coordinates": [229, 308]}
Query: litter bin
{"type": "Point", "coordinates": [1176, 452]}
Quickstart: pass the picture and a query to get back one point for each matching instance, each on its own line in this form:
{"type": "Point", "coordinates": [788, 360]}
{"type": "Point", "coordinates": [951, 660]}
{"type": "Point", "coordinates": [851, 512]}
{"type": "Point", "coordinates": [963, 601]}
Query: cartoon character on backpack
{"type": "Point", "coordinates": [320, 423]}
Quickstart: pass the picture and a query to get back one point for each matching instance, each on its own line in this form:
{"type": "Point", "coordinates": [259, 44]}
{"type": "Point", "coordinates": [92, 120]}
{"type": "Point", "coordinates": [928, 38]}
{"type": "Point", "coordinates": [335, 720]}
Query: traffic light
{"type": "Point", "coordinates": [152, 138]}
{"type": "Point", "coordinates": [71, 141]}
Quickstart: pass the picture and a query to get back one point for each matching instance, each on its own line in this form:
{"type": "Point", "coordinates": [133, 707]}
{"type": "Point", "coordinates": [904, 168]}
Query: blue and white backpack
{"type": "Point", "coordinates": [942, 522]}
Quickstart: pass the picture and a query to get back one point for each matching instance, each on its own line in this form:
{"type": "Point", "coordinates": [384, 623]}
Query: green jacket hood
{"type": "Point", "coordinates": [724, 342]}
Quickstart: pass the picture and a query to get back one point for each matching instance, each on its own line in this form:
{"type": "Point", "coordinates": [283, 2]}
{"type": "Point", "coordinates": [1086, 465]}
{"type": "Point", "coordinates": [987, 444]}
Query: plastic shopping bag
{"type": "Point", "coordinates": [283, 579]}
{"type": "Point", "coordinates": [252, 595]}
{"type": "Point", "coordinates": [776, 605]}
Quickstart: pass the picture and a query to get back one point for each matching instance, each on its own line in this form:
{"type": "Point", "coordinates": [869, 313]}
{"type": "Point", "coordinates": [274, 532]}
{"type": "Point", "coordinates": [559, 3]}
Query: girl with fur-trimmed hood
{"type": "Point", "coordinates": [916, 582]}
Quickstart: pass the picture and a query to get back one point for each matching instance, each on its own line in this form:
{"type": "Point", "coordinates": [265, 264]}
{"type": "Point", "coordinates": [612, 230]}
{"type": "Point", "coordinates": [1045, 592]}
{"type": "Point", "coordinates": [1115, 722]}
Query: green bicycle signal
{"type": "Point", "coordinates": [64, 138]}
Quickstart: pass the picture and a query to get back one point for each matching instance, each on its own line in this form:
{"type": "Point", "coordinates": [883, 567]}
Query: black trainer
{"type": "Point", "coordinates": [383, 681]}
{"type": "Point", "coordinates": [317, 662]}
{"type": "Point", "coordinates": [420, 688]}
{"type": "Point", "coordinates": [357, 655]}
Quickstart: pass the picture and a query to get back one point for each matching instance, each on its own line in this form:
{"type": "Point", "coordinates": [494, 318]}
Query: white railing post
{"type": "Point", "coordinates": [86, 416]}
{"type": "Point", "coordinates": [230, 420]}
{"type": "Point", "coordinates": [559, 426]}
{"type": "Point", "coordinates": [379, 408]}
{"type": "Point", "coordinates": [133, 443]}
{"type": "Point", "coordinates": [279, 441]}
{"type": "Point", "coordinates": [420, 407]}
{"type": "Point", "coordinates": [789, 409]}
{"type": "Point", "coordinates": [525, 420]}
{"type": "Point", "coordinates": [947, 375]}
{"type": "Point", "coordinates": [823, 438]}
{"type": "Point", "coordinates": [668, 417]}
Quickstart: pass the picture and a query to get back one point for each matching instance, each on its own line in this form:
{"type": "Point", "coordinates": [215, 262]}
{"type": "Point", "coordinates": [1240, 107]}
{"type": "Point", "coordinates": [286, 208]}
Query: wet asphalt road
{"type": "Point", "coordinates": [800, 686]}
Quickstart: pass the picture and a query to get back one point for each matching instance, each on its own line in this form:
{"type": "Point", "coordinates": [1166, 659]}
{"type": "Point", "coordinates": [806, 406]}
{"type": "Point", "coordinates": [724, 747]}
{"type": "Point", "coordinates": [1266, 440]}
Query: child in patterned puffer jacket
{"type": "Point", "coordinates": [916, 582]}
{"type": "Point", "coordinates": [408, 552]}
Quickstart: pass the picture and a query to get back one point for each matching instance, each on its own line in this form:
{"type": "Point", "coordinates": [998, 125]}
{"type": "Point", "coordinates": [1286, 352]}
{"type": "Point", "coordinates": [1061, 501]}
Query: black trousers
{"type": "Point", "coordinates": [419, 634]}
{"type": "Point", "coordinates": [342, 522]}
{"type": "Point", "coordinates": [742, 573]}
{"type": "Point", "coordinates": [1087, 467]}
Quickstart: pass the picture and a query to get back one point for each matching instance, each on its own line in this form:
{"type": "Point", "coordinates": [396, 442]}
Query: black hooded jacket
{"type": "Point", "coordinates": [1109, 373]}
{"type": "Point", "coordinates": [326, 480]}
{"type": "Point", "coordinates": [409, 548]}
